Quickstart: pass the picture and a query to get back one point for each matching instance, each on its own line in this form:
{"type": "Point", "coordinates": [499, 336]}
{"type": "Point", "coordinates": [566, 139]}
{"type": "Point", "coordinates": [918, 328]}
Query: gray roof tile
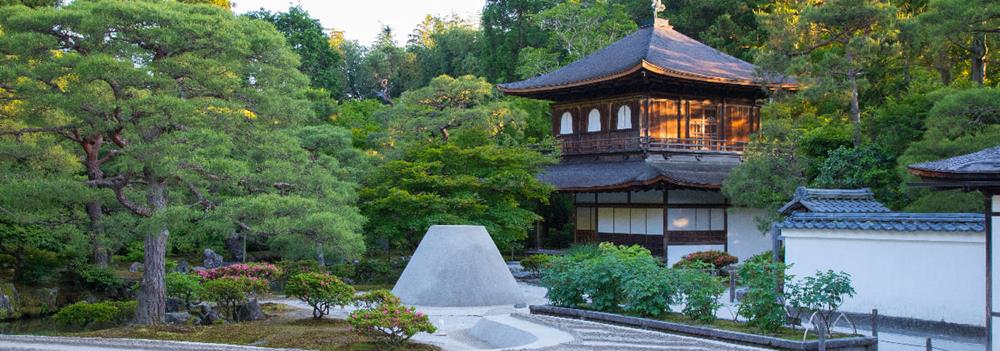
{"type": "Point", "coordinates": [986, 161]}
{"type": "Point", "coordinates": [622, 174]}
{"type": "Point", "coordinates": [833, 201]}
{"type": "Point", "coordinates": [662, 47]}
{"type": "Point", "coordinates": [899, 222]}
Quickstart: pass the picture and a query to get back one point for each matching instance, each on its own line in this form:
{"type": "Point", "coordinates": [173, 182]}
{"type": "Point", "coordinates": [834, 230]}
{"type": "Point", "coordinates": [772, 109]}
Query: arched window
{"type": "Point", "coordinates": [566, 123]}
{"type": "Point", "coordinates": [594, 121]}
{"type": "Point", "coordinates": [624, 117]}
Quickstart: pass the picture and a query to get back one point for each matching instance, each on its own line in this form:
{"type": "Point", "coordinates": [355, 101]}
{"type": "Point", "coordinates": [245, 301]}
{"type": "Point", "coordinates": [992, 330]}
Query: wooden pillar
{"type": "Point", "coordinates": [992, 269]}
{"type": "Point", "coordinates": [666, 226]}
{"type": "Point", "coordinates": [538, 233]}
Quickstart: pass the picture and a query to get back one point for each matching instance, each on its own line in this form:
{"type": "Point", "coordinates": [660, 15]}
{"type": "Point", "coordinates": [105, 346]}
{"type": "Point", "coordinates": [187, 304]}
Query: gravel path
{"type": "Point", "coordinates": [590, 336]}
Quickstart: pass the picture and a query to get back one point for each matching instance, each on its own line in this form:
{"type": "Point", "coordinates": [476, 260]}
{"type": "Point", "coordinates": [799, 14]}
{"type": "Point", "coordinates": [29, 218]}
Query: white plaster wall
{"type": "Point", "coordinates": [924, 275]}
{"type": "Point", "coordinates": [744, 239]}
{"type": "Point", "coordinates": [676, 252]}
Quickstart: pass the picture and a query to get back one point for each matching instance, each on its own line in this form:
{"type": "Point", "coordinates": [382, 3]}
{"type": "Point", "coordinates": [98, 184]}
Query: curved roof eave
{"type": "Point", "coordinates": [648, 66]}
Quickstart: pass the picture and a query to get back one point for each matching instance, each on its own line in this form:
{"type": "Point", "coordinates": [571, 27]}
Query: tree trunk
{"type": "Point", "coordinates": [855, 106]}
{"type": "Point", "coordinates": [92, 149]}
{"type": "Point", "coordinates": [99, 255]}
{"type": "Point", "coordinates": [978, 51]}
{"type": "Point", "coordinates": [152, 293]}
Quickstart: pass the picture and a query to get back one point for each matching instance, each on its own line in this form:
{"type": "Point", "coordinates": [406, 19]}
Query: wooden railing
{"type": "Point", "coordinates": [582, 145]}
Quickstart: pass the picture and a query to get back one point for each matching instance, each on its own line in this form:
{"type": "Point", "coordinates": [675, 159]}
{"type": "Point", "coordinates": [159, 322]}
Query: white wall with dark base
{"type": "Point", "coordinates": [745, 240]}
{"type": "Point", "coordinates": [935, 276]}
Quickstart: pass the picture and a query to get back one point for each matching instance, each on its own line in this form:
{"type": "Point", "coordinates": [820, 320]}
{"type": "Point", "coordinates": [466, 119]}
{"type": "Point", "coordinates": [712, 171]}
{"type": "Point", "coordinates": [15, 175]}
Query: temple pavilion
{"type": "Point", "coordinates": [650, 126]}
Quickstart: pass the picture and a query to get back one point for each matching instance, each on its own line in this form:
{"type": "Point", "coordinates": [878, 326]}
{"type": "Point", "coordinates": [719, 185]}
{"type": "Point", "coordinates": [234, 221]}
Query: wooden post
{"type": "Point", "coordinates": [538, 234]}
{"type": "Point", "coordinates": [666, 226]}
{"type": "Point", "coordinates": [775, 243]}
{"type": "Point", "coordinates": [821, 331]}
{"type": "Point", "coordinates": [875, 327]}
{"type": "Point", "coordinates": [930, 347]}
{"type": "Point", "coordinates": [732, 285]}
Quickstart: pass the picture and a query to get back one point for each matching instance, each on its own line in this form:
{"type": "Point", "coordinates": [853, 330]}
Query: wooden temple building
{"type": "Point", "coordinates": [650, 126]}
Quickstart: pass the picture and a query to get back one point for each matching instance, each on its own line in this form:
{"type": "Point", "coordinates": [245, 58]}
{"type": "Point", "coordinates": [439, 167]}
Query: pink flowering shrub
{"type": "Point", "coordinates": [320, 291]}
{"type": "Point", "coordinates": [265, 271]}
{"type": "Point", "coordinates": [392, 324]}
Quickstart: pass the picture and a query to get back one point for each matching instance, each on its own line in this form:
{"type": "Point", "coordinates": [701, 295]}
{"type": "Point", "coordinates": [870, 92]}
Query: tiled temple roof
{"type": "Point", "coordinates": [981, 164]}
{"type": "Point", "coordinates": [833, 201]}
{"type": "Point", "coordinates": [657, 48]}
{"type": "Point", "coordinates": [899, 222]}
{"type": "Point", "coordinates": [621, 175]}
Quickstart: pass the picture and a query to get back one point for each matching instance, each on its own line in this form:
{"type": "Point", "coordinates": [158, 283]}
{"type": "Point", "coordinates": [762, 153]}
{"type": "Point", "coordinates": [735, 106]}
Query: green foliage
{"type": "Point", "coordinates": [576, 29]}
{"type": "Point", "coordinates": [649, 290]}
{"type": "Point", "coordinates": [867, 166]}
{"type": "Point", "coordinates": [535, 263]}
{"type": "Point", "coordinates": [762, 304]}
{"type": "Point", "coordinates": [822, 293]}
{"type": "Point", "coordinates": [960, 122]}
{"type": "Point", "coordinates": [508, 27]}
{"type": "Point", "coordinates": [359, 116]}
{"type": "Point", "coordinates": [771, 171]}
{"type": "Point", "coordinates": [96, 315]}
{"type": "Point", "coordinates": [391, 324]}
{"type": "Point", "coordinates": [320, 291]}
{"type": "Point", "coordinates": [291, 268]}
{"type": "Point", "coordinates": [612, 276]}
{"type": "Point", "coordinates": [460, 158]}
{"type": "Point", "coordinates": [187, 288]}
{"type": "Point", "coordinates": [376, 298]}
{"type": "Point", "coordinates": [306, 37]}
{"type": "Point", "coordinates": [717, 259]}
{"type": "Point", "coordinates": [230, 292]}
{"type": "Point", "coordinates": [35, 253]}
{"type": "Point", "coordinates": [701, 291]}
{"type": "Point", "coordinates": [98, 277]}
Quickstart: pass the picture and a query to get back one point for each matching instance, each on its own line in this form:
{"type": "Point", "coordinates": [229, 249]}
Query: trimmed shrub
{"type": "Point", "coordinates": [763, 304]}
{"type": "Point", "coordinates": [320, 291]}
{"type": "Point", "coordinates": [185, 287]}
{"type": "Point", "coordinates": [560, 277]}
{"type": "Point", "coordinates": [607, 277]}
{"type": "Point", "coordinates": [376, 298]}
{"type": "Point", "coordinates": [229, 293]}
{"type": "Point", "coordinates": [649, 290]}
{"type": "Point", "coordinates": [701, 291]}
{"type": "Point", "coordinates": [96, 315]}
{"type": "Point", "coordinates": [535, 263]}
{"type": "Point", "coordinates": [822, 293]}
{"type": "Point", "coordinates": [391, 324]}
{"type": "Point", "coordinates": [717, 259]}
{"type": "Point", "coordinates": [98, 277]}
{"type": "Point", "coordinates": [265, 271]}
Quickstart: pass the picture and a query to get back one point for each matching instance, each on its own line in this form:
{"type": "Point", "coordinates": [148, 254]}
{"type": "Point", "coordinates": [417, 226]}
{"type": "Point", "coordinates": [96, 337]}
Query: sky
{"type": "Point", "coordinates": [362, 20]}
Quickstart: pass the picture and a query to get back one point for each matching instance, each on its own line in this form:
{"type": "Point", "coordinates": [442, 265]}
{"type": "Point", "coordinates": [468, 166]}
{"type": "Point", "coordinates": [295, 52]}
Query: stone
{"type": "Point", "coordinates": [250, 311]}
{"type": "Point", "coordinates": [457, 266]}
{"type": "Point", "coordinates": [7, 297]}
{"type": "Point", "coordinates": [198, 269]}
{"type": "Point", "coordinates": [212, 259]}
{"type": "Point", "coordinates": [207, 314]}
{"type": "Point", "coordinates": [177, 318]}
{"type": "Point", "coordinates": [234, 244]}
{"type": "Point", "coordinates": [183, 267]}
{"type": "Point", "coordinates": [175, 305]}
{"type": "Point", "coordinates": [135, 267]}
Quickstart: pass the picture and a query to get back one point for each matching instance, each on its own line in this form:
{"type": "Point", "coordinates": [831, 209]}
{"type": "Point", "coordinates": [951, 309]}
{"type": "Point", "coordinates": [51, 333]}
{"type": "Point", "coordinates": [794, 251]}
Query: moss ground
{"type": "Point", "coordinates": [784, 332]}
{"type": "Point", "coordinates": [283, 330]}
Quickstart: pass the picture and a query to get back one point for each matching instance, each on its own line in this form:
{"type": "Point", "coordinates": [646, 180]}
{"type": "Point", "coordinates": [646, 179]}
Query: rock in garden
{"type": "Point", "coordinates": [212, 259]}
{"type": "Point", "coordinates": [207, 314]}
{"type": "Point", "coordinates": [177, 318]}
{"type": "Point", "coordinates": [250, 311]}
{"type": "Point", "coordinates": [174, 305]}
{"type": "Point", "coordinates": [183, 267]}
{"type": "Point", "coordinates": [457, 265]}
{"type": "Point", "coordinates": [135, 267]}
